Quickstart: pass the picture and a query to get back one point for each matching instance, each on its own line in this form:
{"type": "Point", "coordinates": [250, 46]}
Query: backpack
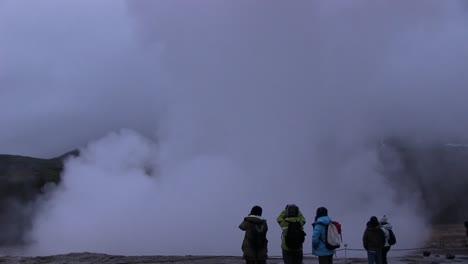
{"type": "Point", "coordinates": [391, 238]}
{"type": "Point", "coordinates": [295, 236]}
{"type": "Point", "coordinates": [258, 236]}
{"type": "Point", "coordinates": [333, 240]}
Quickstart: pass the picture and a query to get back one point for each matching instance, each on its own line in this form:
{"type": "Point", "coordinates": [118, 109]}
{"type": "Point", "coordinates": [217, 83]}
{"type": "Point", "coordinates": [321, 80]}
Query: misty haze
{"type": "Point", "coordinates": [153, 127]}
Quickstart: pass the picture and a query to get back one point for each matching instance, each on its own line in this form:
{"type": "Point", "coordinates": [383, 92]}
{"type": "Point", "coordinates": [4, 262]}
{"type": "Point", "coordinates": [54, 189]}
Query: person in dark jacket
{"type": "Point", "coordinates": [255, 243]}
{"type": "Point", "coordinates": [373, 241]}
{"type": "Point", "coordinates": [319, 248]}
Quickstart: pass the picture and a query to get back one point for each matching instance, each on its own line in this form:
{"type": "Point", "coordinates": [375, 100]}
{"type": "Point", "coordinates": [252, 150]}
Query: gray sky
{"type": "Point", "coordinates": [232, 103]}
{"type": "Point", "coordinates": [71, 72]}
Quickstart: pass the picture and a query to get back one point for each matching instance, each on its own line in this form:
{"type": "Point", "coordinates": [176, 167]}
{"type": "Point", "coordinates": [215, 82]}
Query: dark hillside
{"type": "Point", "coordinates": [21, 181]}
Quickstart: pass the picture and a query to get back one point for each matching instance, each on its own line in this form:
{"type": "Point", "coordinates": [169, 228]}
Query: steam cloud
{"type": "Point", "coordinates": [225, 105]}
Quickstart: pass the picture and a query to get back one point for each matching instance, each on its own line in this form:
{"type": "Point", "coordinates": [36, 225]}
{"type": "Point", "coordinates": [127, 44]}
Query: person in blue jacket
{"type": "Point", "coordinates": [319, 248]}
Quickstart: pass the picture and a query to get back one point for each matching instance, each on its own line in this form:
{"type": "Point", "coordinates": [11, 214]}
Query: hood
{"type": "Point", "coordinates": [254, 219]}
{"type": "Point", "coordinates": [387, 226]}
{"type": "Point", "coordinates": [371, 225]}
{"type": "Point", "coordinates": [324, 220]}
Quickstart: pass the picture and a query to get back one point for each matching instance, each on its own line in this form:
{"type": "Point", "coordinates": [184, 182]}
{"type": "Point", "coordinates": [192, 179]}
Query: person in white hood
{"type": "Point", "coordinates": [387, 228]}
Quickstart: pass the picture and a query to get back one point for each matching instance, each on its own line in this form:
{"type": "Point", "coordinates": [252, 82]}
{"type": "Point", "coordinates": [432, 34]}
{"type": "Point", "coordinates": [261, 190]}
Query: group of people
{"type": "Point", "coordinates": [291, 221]}
{"type": "Point", "coordinates": [377, 240]}
{"type": "Point", "coordinates": [326, 237]}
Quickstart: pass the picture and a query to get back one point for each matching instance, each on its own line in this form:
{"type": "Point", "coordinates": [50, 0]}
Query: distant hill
{"type": "Point", "coordinates": [22, 179]}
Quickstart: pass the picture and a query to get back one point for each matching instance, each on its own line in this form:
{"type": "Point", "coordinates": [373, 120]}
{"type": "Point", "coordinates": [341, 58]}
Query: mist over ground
{"type": "Point", "coordinates": [190, 113]}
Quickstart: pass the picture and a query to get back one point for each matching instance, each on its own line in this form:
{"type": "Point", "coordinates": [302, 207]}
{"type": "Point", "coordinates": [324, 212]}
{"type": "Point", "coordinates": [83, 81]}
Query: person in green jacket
{"type": "Point", "coordinates": [292, 223]}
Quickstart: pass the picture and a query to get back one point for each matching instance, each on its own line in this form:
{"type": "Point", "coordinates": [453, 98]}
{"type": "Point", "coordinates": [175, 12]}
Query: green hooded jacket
{"type": "Point", "coordinates": [284, 221]}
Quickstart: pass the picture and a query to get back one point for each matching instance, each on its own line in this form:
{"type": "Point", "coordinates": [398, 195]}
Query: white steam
{"type": "Point", "coordinates": [257, 103]}
{"type": "Point", "coordinates": [108, 202]}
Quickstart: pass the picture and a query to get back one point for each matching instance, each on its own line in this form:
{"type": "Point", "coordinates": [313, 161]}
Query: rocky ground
{"type": "Point", "coordinates": [446, 241]}
{"type": "Point", "coordinates": [89, 258]}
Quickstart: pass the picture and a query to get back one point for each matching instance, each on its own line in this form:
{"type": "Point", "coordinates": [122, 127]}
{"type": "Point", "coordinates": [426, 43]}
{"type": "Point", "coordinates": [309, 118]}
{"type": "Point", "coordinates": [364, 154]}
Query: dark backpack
{"type": "Point", "coordinates": [391, 238]}
{"type": "Point", "coordinates": [295, 236]}
{"type": "Point", "coordinates": [258, 236]}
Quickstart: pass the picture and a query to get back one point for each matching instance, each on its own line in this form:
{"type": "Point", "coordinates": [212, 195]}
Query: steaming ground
{"type": "Point", "coordinates": [109, 198]}
{"type": "Point", "coordinates": [109, 203]}
{"type": "Point", "coordinates": [225, 106]}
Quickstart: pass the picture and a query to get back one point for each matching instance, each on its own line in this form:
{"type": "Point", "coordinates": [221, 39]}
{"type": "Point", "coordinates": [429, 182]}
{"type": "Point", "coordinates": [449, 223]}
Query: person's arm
{"type": "Point", "coordinates": [316, 236]}
{"type": "Point", "coordinates": [281, 217]}
{"type": "Point", "coordinates": [364, 240]}
{"type": "Point", "coordinates": [243, 226]}
{"type": "Point", "coordinates": [383, 239]}
{"type": "Point", "coordinates": [386, 234]}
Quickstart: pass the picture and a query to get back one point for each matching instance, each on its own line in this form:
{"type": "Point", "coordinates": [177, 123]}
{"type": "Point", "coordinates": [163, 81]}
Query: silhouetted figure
{"type": "Point", "coordinates": [255, 244]}
{"type": "Point", "coordinates": [292, 223]}
{"type": "Point", "coordinates": [373, 241]}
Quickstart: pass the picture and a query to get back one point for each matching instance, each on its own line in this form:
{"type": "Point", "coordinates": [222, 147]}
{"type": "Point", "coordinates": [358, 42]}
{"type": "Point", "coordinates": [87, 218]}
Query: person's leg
{"type": "Point", "coordinates": [378, 257]}
{"type": "Point", "coordinates": [296, 257]}
{"type": "Point", "coordinates": [287, 258]}
{"type": "Point", "coordinates": [299, 257]}
{"type": "Point", "coordinates": [466, 237]}
{"type": "Point", "coordinates": [263, 261]}
{"type": "Point", "coordinates": [370, 257]}
{"type": "Point", "coordinates": [325, 259]}
{"type": "Point", "coordinates": [384, 254]}
{"type": "Point", "coordinates": [248, 261]}
{"type": "Point", "coordinates": [321, 260]}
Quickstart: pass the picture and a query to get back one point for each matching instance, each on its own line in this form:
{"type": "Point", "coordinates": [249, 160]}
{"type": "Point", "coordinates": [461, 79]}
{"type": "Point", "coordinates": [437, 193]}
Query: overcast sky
{"type": "Point", "coordinates": [244, 101]}
{"type": "Point", "coordinates": [70, 76]}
